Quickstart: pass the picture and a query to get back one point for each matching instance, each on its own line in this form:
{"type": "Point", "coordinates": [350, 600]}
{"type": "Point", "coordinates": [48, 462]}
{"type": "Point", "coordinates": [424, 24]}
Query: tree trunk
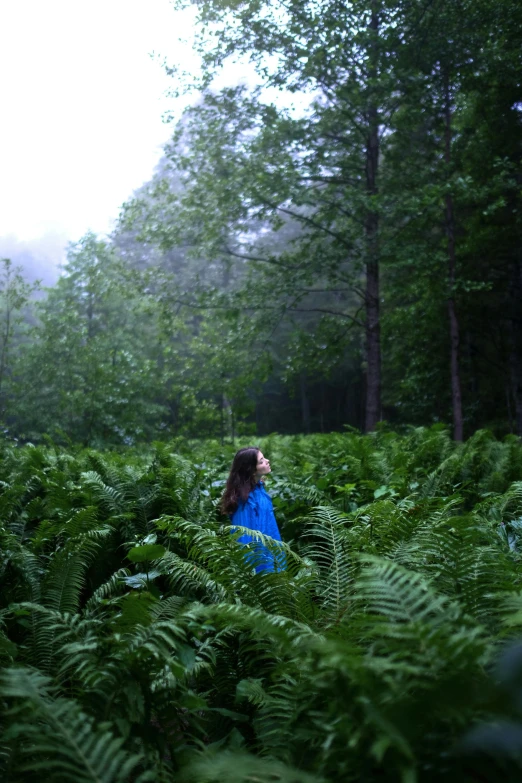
{"type": "Point", "coordinates": [373, 330]}
{"type": "Point", "coordinates": [4, 355]}
{"type": "Point", "coordinates": [305, 403]}
{"type": "Point", "coordinates": [227, 421]}
{"type": "Point", "coordinates": [90, 315]}
{"type": "Point", "coordinates": [509, 409]}
{"type": "Point", "coordinates": [373, 348]}
{"type": "Point", "coordinates": [515, 347]}
{"type": "Point", "coordinates": [515, 363]}
{"type": "Point", "coordinates": [456, 397]}
{"type": "Point", "coordinates": [473, 380]}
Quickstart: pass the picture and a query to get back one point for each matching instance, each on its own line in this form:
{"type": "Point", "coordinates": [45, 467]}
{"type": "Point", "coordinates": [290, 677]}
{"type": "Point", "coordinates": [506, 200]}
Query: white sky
{"type": "Point", "coordinates": [81, 104]}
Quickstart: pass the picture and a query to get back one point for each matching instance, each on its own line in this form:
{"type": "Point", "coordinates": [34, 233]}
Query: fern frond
{"type": "Point", "coordinates": [60, 592]}
{"type": "Point", "coordinates": [261, 624]}
{"type": "Point", "coordinates": [84, 520]}
{"type": "Point", "coordinates": [275, 717]}
{"type": "Point", "coordinates": [401, 607]}
{"type": "Point", "coordinates": [465, 561]}
{"type": "Point", "coordinates": [111, 500]}
{"type": "Point", "coordinates": [191, 579]}
{"type": "Point", "coordinates": [399, 595]}
{"type": "Point", "coordinates": [17, 561]}
{"type": "Point", "coordinates": [112, 587]}
{"type": "Point", "coordinates": [58, 740]}
{"type": "Point", "coordinates": [169, 608]}
{"type": "Point", "coordinates": [241, 767]}
{"type": "Point", "coordinates": [329, 547]}
{"type": "Point", "coordinates": [65, 576]}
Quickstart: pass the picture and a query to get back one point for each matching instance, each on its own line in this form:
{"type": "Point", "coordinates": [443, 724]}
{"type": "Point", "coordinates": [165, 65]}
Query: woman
{"type": "Point", "coordinates": [249, 505]}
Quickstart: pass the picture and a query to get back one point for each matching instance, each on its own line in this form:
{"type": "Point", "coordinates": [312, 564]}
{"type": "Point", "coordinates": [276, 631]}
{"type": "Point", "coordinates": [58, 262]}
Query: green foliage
{"type": "Point", "coordinates": [60, 740]}
{"type": "Point", "coordinates": [301, 230]}
{"type": "Point", "coordinates": [86, 371]}
{"type": "Point", "coordinates": [15, 294]}
{"type": "Point", "coordinates": [137, 643]}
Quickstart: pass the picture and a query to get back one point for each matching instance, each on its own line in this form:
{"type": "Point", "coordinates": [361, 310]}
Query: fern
{"type": "Point", "coordinates": [240, 767]}
{"type": "Point", "coordinates": [363, 660]}
{"type": "Point", "coordinates": [329, 546]}
{"type": "Point", "coordinates": [113, 586]}
{"type": "Point", "coordinates": [403, 612]}
{"type": "Point", "coordinates": [51, 735]}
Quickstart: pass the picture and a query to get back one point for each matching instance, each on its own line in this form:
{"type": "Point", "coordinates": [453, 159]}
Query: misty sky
{"type": "Point", "coordinates": [82, 106]}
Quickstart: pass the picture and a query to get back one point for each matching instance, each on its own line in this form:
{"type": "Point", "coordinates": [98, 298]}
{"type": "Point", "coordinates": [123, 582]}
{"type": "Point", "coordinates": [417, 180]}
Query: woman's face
{"type": "Point", "coordinates": [263, 465]}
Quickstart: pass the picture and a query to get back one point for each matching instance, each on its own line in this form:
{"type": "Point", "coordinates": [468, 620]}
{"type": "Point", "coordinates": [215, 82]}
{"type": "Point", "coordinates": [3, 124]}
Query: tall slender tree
{"type": "Point", "coordinates": [15, 294]}
{"type": "Point", "coordinates": [318, 166]}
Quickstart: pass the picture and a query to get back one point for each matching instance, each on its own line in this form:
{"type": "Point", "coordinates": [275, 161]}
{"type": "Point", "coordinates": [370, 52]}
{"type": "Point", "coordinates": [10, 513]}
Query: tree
{"type": "Point", "coordinates": [15, 294]}
{"type": "Point", "coordinates": [248, 159]}
{"type": "Point", "coordinates": [250, 316]}
{"type": "Point", "coordinates": [91, 370]}
{"type": "Point", "coordinates": [454, 182]}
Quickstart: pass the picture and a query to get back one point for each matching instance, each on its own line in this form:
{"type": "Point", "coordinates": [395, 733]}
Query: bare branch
{"type": "Point", "coordinates": [261, 259]}
{"type": "Point", "coordinates": [304, 219]}
{"type": "Point", "coordinates": [252, 309]}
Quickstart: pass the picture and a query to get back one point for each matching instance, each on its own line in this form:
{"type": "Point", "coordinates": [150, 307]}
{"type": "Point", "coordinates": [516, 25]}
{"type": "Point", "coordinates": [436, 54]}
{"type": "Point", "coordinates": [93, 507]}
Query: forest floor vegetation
{"type": "Point", "coordinates": [136, 644]}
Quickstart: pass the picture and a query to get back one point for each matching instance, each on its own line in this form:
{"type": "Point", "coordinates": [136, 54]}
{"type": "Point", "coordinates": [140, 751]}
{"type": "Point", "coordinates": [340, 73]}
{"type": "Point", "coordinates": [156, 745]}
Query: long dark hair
{"type": "Point", "coordinates": [241, 479]}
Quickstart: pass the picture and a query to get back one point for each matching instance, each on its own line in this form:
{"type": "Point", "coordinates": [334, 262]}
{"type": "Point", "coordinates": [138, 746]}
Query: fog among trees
{"type": "Point", "coordinates": [39, 258]}
{"type": "Point", "coordinates": [352, 262]}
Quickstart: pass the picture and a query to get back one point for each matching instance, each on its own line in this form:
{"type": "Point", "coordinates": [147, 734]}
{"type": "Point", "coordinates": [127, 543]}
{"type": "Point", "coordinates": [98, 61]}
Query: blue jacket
{"type": "Point", "coordinates": [258, 514]}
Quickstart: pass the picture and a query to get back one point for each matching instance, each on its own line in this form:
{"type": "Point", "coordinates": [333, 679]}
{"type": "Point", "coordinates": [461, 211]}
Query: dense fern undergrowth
{"type": "Point", "coordinates": [136, 644]}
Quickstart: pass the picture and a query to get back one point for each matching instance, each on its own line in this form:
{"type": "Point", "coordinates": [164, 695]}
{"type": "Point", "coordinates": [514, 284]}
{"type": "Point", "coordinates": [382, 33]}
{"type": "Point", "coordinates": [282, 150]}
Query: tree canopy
{"type": "Point", "coordinates": [336, 244]}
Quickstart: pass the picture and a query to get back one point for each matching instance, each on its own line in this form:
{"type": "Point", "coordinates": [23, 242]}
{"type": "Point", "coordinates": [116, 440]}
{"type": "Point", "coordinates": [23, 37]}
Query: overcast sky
{"type": "Point", "coordinates": [82, 105]}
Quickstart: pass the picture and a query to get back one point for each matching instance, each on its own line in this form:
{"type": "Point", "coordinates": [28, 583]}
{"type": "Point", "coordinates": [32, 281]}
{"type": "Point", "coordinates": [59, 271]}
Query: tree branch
{"type": "Point", "coordinates": [304, 219]}
{"type": "Point", "coordinates": [253, 309]}
{"type": "Point", "coordinates": [262, 259]}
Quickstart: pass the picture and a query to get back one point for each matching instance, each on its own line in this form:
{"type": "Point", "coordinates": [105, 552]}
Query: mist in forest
{"type": "Point", "coordinates": [334, 243]}
{"type": "Point", "coordinates": [39, 259]}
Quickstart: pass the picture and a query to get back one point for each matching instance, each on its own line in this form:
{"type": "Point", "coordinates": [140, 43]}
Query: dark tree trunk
{"type": "Point", "coordinates": [373, 331]}
{"type": "Point", "coordinates": [473, 380]}
{"type": "Point", "coordinates": [515, 347]}
{"type": "Point", "coordinates": [509, 409]}
{"type": "Point", "coordinates": [515, 362]}
{"type": "Point", "coordinates": [456, 397]}
{"type": "Point", "coordinates": [305, 403]}
{"type": "Point", "coordinates": [373, 348]}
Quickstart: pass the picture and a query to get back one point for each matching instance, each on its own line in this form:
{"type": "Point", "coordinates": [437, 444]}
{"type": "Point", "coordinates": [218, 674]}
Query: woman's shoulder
{"type": "Point", "coordinates": [255, 495]}
{"type": "Point", "coordinates": [262, 494]}
{"type": "Point", "coordinates": [260, 490]}
{"type": "Point", "coordinates": [252, 499]}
